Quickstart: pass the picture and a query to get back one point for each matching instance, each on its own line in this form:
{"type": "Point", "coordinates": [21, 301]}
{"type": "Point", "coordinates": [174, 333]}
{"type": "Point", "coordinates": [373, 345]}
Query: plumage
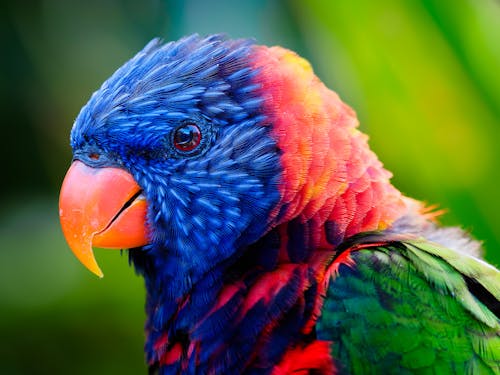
{"type": "Point", "coordinates": [269, 235]}
{"type": "Point", "coordinates": [406, 306]}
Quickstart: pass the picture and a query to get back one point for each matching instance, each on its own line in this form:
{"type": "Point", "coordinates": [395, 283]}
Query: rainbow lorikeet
{"type": "Point", "coordinates": [269, 235]}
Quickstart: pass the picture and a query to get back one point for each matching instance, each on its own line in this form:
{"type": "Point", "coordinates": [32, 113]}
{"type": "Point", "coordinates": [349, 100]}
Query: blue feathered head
{"type": "Point", "coordinates": [185, 120]}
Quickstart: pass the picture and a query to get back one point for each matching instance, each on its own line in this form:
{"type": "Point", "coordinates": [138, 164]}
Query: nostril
{"type": "Point", "coordinates": [94, 156]}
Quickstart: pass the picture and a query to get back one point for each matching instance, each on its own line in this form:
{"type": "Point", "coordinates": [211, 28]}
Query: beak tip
{"type": "Point", "coordinates": [82, 249]}
{"type": "Point", "coordinates": [98, 273]}
{"type": "Point", "coordinates": [90, 263]}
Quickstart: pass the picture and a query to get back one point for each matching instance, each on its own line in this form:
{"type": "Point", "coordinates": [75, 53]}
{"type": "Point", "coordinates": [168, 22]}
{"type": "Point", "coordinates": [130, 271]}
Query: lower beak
{"type": "Point", "coordinates": [102, 207]}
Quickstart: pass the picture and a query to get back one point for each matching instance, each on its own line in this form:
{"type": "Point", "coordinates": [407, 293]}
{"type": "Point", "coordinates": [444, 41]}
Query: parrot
{"type": "Point", "coordinates": [269, 235]}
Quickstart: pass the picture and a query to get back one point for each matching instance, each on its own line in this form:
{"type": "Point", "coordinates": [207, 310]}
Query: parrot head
{"type": "Point", "coordinates": [194, 149]}
{"type": "Point", "coordinates": [173, 154]}
{"type": "Point", "coordinates": [215, 161]}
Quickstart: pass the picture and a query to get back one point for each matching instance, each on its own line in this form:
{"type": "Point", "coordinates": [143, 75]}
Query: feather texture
{"type": "Point", "coordinates": [402, 306]}
{"type": "Point", "coordinates": [277, 243]}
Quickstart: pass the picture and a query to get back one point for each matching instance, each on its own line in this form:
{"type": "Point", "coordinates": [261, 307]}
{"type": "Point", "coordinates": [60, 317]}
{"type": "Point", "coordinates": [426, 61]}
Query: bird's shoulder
{"type": "Point", "coordinates": [407, 304]}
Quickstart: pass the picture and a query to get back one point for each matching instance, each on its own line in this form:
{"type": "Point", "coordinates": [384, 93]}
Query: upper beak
{"type": "Point", "coordinates": [101, 207]}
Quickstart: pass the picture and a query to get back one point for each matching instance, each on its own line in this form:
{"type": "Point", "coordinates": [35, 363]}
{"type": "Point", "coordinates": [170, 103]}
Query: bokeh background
{"type": "Point", "coordinates": [423, 76]}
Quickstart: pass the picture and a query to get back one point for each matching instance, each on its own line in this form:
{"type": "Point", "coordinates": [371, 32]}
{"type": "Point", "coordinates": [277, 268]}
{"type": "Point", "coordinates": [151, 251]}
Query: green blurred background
{"type": "Point", "coordinates": [423, 76]}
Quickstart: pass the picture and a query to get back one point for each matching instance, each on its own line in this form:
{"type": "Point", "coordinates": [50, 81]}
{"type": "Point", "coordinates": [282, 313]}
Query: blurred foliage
{"type": "Point", "coordinates": [422, 75]}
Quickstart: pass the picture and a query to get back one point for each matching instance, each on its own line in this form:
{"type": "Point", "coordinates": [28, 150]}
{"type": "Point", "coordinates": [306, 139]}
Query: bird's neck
{"type": "Point", "coordinates": [331, 177]}
{"type": "Point", "coordinates": [351, 196]}
{"type": "Point", "coordinates": [260, 305]}
{"type": "Point", "coordinates": [247, 314]}
{"type": "Point", "coordinates": [254, 311]}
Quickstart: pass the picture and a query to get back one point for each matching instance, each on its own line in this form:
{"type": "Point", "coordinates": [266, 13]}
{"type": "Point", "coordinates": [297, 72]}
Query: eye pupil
{"type": "Point", "coordinates": [187, 137]}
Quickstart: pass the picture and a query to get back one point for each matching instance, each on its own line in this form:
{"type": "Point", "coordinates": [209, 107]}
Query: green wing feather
{"type": "Point", "coordinates": [411, 306]}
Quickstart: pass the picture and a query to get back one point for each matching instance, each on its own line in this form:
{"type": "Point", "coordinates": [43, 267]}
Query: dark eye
{"type": "Point", "coordinates": [187, 137]}
{"type": "Point", "coordinates": [94, 156]}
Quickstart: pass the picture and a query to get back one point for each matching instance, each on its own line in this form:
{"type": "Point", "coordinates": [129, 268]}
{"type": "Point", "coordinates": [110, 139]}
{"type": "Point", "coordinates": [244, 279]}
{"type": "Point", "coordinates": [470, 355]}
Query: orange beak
{"type": "Point", "coordinates": [101, 207]}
